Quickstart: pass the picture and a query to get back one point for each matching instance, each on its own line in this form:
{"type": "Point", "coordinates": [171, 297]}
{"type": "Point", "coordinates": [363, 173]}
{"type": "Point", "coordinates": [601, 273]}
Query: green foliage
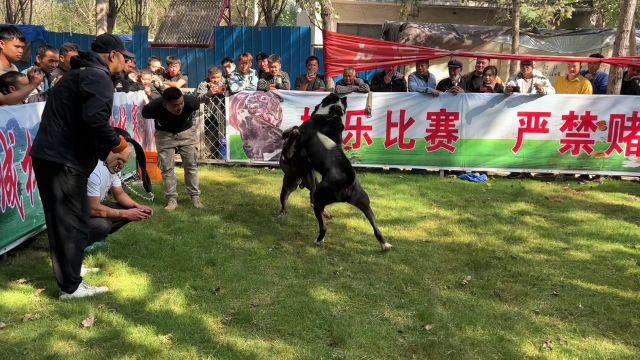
{"type": "Point", "coordinates": [607, 12]}
{"type": "Point", "coordinates": [288, 17]}
{"type": "Point", "coordinates": [519, 269]}
{"type": "Point", "coordinates": [539, 13]}
{"type": "Point", "coordinates": [79, 16]}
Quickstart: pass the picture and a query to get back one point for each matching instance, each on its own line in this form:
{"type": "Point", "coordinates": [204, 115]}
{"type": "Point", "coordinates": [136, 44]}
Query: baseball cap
{"type": "Point", "coordinates": [107, 43]}
{"type": "Point", "coordinates": [454, 64]}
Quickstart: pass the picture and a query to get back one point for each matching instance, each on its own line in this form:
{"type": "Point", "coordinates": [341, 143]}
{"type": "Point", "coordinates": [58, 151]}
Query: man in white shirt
{"type": "Point", "coordinates": [108, 217]}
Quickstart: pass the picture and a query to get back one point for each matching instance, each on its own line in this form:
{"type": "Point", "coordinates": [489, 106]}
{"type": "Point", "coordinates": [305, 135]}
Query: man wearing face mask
{"type": "Point", "coordinates": [175, 130]}
{"type": "Point", "coordinates": [74, 134]}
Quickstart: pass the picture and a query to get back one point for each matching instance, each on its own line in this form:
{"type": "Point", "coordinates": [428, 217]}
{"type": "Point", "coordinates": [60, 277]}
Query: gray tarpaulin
{"type": "Point", "coordinates": [469, 37]}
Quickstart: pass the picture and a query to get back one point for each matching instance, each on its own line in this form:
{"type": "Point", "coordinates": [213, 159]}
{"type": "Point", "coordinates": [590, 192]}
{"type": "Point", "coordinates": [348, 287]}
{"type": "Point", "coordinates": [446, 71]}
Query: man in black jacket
{"type": "Point", "coordinates": [631, 81]}
{"type": "Point", "coordinates": [175, 131]}
{"type": "Point", "coordinates": [455, 83]}
{"type": "Point", "coordinates": [389, 80]}
{"type": "Point", "coordinates": [75, 133]}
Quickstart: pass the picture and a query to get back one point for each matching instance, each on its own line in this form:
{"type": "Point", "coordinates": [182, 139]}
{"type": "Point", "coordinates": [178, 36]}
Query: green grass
{"type": "Point", "coordinates": [556, 261]}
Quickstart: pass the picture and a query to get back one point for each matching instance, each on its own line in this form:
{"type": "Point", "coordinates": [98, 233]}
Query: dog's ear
{"type": "Point", "coordinates": [290, 143]}
{"type": "Point", "coordinates": [294, 130]}
{"type": "Point", "coordinates": [122, 132]}
{"type": "Point", "coordinates": [344, 102]}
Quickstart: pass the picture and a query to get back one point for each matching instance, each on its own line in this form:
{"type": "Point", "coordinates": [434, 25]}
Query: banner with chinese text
{"type": "Point", "coordinates": [21, 213]}
{"type": "Point", "coordinates": [556, 133]}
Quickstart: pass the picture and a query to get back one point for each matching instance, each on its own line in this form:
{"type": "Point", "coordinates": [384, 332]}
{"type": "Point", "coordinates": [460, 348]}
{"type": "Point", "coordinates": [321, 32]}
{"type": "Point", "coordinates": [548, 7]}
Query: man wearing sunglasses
{"type": "Point", "coordinates": [74, 134]}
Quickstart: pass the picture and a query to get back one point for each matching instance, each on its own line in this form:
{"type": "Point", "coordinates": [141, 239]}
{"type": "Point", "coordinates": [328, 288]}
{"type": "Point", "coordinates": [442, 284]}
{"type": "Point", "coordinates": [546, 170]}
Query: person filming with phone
{"type": "Point", "coordinates": [276, 79]}
{"type": "Point", "coordinates": [311, 81]}
{"type": "Point", "coordinates": [213, 85]}
{"type": "Point", "coordinates": [529, 81]}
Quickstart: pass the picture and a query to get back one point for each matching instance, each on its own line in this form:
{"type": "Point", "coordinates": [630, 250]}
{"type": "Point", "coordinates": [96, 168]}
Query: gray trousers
{"type": "Point", "coordinates": [185, 143]}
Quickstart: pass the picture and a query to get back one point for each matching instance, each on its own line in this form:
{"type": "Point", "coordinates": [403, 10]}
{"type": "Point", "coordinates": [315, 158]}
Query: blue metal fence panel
{"type": "Point", "coordinates": [291, 43]}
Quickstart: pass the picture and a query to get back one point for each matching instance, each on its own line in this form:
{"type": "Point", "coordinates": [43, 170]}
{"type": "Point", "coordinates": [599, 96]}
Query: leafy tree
{"type": "Point", "coordinates": [18, 11]}
{"type": "Point", "coordinates": [607, 12]}
{"type": "Point", "coordinates": [272, 10]}
{"type": "Point", "coordinates": [321, 13]}
{"type": "Point", "coordinates": [538, 13]}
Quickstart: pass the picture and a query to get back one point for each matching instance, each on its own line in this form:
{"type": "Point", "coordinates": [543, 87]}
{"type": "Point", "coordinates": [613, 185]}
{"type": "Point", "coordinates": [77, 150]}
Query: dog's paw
{"type": "Point", "coordinates": [281, 215]}
{"type": "Point", "coordinates": [386, 246]}
{"type": "Point", "coordinates": [320, 243]}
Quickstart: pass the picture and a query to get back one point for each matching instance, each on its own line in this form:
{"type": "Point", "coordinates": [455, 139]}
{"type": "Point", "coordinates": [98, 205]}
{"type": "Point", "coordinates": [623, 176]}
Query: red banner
{"type": "Point", "coordinates": [363, 53]}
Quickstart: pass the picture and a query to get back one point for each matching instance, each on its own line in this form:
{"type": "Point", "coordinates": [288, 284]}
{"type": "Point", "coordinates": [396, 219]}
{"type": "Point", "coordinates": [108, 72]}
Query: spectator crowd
{"type": "Point", "coordinates": [51, 64]}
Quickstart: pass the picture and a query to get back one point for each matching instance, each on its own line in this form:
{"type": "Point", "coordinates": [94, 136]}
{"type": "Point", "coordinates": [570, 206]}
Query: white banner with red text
{"type": "Point", "coordinates": [21, 213]}
{"type": "Point", "coordinates": [598, 134]}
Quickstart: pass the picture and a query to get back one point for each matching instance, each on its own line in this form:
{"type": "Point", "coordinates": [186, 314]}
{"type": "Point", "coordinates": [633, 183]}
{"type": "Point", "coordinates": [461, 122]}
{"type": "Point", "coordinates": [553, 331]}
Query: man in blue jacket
{"type": "Point", "coordinates": [599, 79]}
{"type": "Point", "coordinates": [74, 134]}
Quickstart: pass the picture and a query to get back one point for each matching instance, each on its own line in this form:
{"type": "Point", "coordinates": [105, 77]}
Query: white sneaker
{"type": "Point", "coordinates": [87, 270]}
{"type": "Point", "coordinates": [83, 290]}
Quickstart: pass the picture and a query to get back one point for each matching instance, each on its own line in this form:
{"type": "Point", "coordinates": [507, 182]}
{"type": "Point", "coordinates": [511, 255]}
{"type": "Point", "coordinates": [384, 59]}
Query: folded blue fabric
{"type": "Point", "coordinates": [475, 177]}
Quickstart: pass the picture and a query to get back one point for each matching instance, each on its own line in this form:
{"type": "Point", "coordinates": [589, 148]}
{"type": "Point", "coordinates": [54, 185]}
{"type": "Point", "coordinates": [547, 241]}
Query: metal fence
{"type": "Point", "coordinates": [211, 122]}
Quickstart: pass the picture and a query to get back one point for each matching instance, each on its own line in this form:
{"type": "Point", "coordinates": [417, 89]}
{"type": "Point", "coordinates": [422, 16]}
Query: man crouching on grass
{"type": "Point", "coordinates": [175, 130]}
{"type": "Point", "coordinates": [108, 217]}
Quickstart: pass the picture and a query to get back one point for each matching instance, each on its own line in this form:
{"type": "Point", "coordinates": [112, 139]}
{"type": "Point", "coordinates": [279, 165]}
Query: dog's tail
{"type": "Point", "coordinates": [141, 159]}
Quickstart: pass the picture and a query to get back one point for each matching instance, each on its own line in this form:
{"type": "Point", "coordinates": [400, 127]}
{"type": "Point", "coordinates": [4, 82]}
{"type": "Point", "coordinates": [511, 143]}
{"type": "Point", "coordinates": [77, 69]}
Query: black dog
{"type": "Point", "coordinates": [297, 170]}
{"type": "Point", "coordinates": [317, 146]}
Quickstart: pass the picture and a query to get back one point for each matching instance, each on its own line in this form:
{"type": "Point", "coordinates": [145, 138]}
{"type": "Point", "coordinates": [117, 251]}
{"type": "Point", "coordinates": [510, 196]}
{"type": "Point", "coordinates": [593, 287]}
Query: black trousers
{"type": "Point", "coordinates": [99, 228]}
{"type": "Point", "coordinates": [63, 191]}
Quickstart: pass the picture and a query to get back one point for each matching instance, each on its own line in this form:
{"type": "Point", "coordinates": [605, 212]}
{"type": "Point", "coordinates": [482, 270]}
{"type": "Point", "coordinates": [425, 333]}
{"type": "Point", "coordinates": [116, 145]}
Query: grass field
{"type": "Point", "coordinates": [508, 270]}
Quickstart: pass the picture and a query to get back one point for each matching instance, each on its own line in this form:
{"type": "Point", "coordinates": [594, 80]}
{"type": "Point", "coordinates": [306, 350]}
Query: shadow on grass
{"type": "Point", "coordinates": [234, 282]}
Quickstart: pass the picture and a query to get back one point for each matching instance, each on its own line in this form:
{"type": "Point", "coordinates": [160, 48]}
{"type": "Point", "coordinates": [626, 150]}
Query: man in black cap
{"type": "Point", "coordinates": [455, 83]}
{"type": "Point", "coordinates": [75, 133]}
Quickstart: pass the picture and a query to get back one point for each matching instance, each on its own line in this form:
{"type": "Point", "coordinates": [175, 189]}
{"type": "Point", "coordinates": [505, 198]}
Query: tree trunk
{"type": "Point", "coordinates": [256, 13]}
{"type": "Point", "coordinates": [266, 6]}
{"type": "Point", "coordinates": [327, 13]}
{"type": "Point", "coordinates": [112, 15]}
{"type": "Point", "coordinates": [621, 44]}
{"type": "Point", "coordinates": [515, 36]}
{"type": "Point", "coordinates": [633, 45]}
{"type": "Point", "coordinates": [140, 9]}
{"type": "Point", "coordinates": [101, 17]}
{"type": "Point", "coordinates": [8, 14]}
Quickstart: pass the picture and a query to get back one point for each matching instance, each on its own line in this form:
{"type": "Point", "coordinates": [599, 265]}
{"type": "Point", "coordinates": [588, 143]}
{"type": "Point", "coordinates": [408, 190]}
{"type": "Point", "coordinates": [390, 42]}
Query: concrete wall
{"type": "Point", "coordinates": [364, 12]}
